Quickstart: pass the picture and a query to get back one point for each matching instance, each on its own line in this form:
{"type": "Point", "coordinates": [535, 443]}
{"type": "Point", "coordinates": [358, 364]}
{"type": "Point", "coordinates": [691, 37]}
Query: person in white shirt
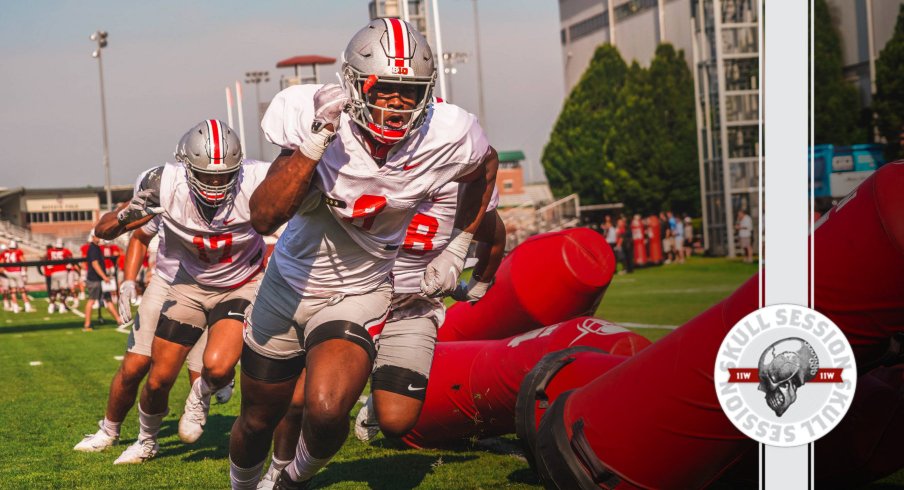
{"type": "Point", "coordinates": [359, 159]}
{"type": "Point", "coordinates": [744, 225]}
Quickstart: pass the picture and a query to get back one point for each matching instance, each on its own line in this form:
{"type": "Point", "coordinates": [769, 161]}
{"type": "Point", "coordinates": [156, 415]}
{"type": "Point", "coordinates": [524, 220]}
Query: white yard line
{"type": "Point", "coordinates": [647, 325]}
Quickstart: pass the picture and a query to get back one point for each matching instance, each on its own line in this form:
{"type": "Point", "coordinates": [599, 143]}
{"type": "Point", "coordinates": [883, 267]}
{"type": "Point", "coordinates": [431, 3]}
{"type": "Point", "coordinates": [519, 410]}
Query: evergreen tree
{"type": "Point", "coordinates": [573, 157]}
{"type": "Point", "coordinates": [836, 105]}
{"type": "Point", "coordinates": [889, 99]}
{"type": "Point", "coordinates": [673, 100]}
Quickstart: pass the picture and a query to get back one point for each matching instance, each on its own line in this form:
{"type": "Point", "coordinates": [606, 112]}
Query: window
{"type": "Point", "coordinates": [588, 26]}
{"type": "Point", "coordinates": [508, 184]}
{"type": "Point", "coordinates": [742, 74]}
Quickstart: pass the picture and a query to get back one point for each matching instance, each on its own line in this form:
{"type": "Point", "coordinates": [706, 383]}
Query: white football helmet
{"type": "Point", "coordinates": [210, 148]}
{"type": "Point", "coordinates": [387, 50]}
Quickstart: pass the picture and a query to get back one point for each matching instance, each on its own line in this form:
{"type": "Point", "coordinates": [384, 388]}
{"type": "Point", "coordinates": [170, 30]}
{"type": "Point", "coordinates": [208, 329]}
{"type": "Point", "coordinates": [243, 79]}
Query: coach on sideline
{"type": "Point", "coordinates": [96, 275]}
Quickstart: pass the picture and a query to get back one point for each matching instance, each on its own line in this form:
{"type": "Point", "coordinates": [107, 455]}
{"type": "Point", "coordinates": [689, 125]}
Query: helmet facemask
{"type": "Point", "coordinates": [388, 52]}
{"type": "Point", "coordinates": [210, 149]}
{"type": "Point", "coordinates": [363, 106]}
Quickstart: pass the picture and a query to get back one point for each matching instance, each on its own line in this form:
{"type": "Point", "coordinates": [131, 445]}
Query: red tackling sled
{"type": "Point", "coordinates": [547, 279]}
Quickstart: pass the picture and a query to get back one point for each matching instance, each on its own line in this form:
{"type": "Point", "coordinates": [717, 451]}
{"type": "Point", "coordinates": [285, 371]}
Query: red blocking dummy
{"type": "Point", "coordinates": [547, 279]}
{"type": "Point", "coordinates": [866, 445]}
{"type": "Point", "coordinates": [858, 269]}
{"type": "Point", "coordinates": [473, 384]}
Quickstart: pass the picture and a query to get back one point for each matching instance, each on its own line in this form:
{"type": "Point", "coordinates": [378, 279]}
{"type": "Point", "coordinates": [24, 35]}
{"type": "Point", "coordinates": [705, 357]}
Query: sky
{"type": "Point", "coordinates": [168, 64]}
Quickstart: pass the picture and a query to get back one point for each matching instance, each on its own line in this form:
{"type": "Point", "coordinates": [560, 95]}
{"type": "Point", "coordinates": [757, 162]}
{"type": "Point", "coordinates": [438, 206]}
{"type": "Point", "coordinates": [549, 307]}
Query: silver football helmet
{"type": "Point", "coordinates": [392, 51]}
{"type": "Point", "coordinates": [210, 148]}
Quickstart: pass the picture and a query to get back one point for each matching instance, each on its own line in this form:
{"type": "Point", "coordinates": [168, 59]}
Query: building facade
{"type": "Point", "coordinates": [639, 26]}
{"type": "Point", "coordinates": [726, 57]}
{"type": "Point", "coordinates": [865, 26]}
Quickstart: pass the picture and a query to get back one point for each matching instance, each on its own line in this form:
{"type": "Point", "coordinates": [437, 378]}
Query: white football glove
{"type": "Point", "coordinates": [144, 203]}
{"type": "Point", "coordinates": [470, 291]}
{"type": "Point", "coordinates": [330, 101]}
{"type": "Point", "coordinates": [127, 293]}
{"type": "Point", "coordinates": [441, 275]}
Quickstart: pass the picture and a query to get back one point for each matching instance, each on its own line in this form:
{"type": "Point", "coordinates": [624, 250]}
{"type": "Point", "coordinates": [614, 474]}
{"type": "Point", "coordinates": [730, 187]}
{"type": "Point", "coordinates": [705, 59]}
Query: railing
{"type": "Point", "coordinates": [561, 214]}
{"type": "Point", "coordinates": [10, 231]}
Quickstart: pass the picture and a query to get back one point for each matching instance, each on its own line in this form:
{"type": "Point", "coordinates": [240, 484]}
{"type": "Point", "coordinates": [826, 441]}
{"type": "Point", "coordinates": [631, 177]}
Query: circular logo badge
{"type": "Point", "coordinates": [785, 375]}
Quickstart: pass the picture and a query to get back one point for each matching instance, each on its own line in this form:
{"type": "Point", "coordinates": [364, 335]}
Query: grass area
{"type": "Point", "coordinates": [45, 409]}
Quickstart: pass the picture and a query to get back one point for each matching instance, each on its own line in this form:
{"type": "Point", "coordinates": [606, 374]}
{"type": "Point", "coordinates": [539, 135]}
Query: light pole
{"type": "Point", "coordinates": [256, 77]}
{"type": "Point", "coordinates": [101, 38]}
{"type": "Point", "coordinates": [449, 62]}
{"type": "Point", "coordinates": [481, 113]}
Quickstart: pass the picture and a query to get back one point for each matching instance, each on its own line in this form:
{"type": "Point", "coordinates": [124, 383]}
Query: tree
{"type": "Point", "coordinates": [673, 101]}
{"type": "Point", "coordinates": [836, 105]}
{"type": "Point", "coordinates": [573, 157]}
{"type": "Point", "coordinates": [889, 99]}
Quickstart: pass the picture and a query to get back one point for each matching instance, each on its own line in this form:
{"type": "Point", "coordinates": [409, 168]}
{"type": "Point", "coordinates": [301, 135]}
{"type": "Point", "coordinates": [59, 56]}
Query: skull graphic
{"type": "Point", "coordinates": [784, 367]}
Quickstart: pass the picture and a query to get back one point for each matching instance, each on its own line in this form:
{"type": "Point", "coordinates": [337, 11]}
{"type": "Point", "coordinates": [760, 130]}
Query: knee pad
{"type": "Point", "coordinates": [270, 370]}
{"type": "Point", "coordinates": [178, 332]}
{"type": "Point", "coordinates": [400, 381]}
{"type": "Point", "coordinates": [342, 329]}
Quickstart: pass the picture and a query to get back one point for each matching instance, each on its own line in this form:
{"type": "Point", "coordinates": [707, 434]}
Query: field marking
{"type": "Point", "coordinates": [648, 325]}
{"type": "Point", "coordinates": [362, 399]}
{"type": "Point", "coordinates": [76, 313]}
{"type": "Point", "coordinates": [118, 358]}
{"type": "Point", "coordinates": [35, 363]}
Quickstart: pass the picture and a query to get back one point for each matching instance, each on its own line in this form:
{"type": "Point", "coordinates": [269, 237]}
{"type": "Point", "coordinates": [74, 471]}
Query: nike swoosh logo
{"type": "Point", "coordinates": [227, 221]}
{"type": "Point", "coordinates": [412, 388]}
{"type": "Point", "coordinates": [233, 313]}
{"type": "Point", "coordinates": [409, 167]}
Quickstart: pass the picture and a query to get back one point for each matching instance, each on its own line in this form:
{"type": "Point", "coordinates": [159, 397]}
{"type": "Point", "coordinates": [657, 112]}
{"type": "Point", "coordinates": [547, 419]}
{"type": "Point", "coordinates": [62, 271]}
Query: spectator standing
{"type": "Point", "coordinates": [678, 232]}
{"type": "Point", "coordinates": [611, 232]}
{"type": "Point", "coordinates": [744, 225]}
{"type": "Point", "coordinates": [96, 275]}
{"type": "Point", "coordinates": [626, 245]}
{"type": "Point", "coordinates": [688, 236]}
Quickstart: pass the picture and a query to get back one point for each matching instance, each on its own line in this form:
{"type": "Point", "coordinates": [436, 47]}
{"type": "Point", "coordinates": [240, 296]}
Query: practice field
{"type": "Point", "coordinates": [55, 380]}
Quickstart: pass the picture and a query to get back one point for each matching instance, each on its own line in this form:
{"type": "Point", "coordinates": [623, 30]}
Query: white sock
{"type": "Point", "coordinates": [149, 424]}
{"type": "Point", "coordinates": [277, 465]}
{"type": "Point", "coordinates": [201, 388]}
{"type": "Point", "coordinates": [305, 466]}
{"type": "Point", "coordinates": [111, 428]}
{"type": "Point", "coordinates": [244, 478]}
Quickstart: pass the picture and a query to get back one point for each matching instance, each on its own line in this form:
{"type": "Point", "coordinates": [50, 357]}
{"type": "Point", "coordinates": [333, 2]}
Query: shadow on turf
{"type": "Point", "coordinates": [211, 445]}
{"type": "Point", "coordinates": [399, 471]}
{"type": "Point", "coordinates": [74, 325]}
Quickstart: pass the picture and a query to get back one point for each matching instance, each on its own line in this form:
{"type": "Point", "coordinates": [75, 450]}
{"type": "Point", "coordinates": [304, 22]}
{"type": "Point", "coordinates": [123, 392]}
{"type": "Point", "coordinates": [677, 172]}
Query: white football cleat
{"type": "Point", "coordinates": [269, 479]}
{"type": "Point", "coordinates": [97, 442]}
{"type": "Point", "coordinates": [29, 308]}
{"type": "Point", "coordinates": [50, 308]}
{"type": "Point", "coordinates": [139, 452]}
{"type": "Point", "coordinates": [224, 394]}
{"type": "Point", "coordinates": [191, 424]}
{"type": "Point", "coordinates": [366, 425]}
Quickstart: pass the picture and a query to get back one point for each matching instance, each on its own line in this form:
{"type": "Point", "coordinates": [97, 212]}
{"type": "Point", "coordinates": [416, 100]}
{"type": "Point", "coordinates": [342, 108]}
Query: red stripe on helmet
{"type": "Point", "coordinates": [215, 137]}
{"type": "Point", "coordinates": [398, 33]}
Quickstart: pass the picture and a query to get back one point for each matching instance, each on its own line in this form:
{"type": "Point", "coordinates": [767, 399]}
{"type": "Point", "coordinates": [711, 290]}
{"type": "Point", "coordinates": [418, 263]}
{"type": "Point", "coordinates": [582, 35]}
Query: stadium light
{"type": "Point", "coordinates": [451, 59]}
{"type": "Point", "coordinates": [256, 77]}
{"type": "Point", "coordinates": [100, 37]}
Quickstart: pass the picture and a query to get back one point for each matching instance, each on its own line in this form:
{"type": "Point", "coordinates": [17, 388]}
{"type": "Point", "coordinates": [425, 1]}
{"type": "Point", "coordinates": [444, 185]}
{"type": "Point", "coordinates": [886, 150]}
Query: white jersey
{"type": "Point", "coordinates": [223, 253]}
{"type": "Point", "coordinates": [428, 234]}
{"type": "Point", "coordinates": [354, 220]}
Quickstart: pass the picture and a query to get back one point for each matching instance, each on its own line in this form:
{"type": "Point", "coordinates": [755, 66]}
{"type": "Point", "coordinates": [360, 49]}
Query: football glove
{"type": "Point", "coordinates": [441, 275]}
{"type": "Point", "coordinates": [144, 203]}
{"type": "Point", "coordinates": [470, 291]}
{"type": "Point", "coordinates": [127, 294]}
{"type": "Point", "coordinates": [330, 101]}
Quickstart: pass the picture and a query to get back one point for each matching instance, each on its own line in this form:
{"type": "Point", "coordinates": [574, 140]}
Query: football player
{"type": "Point", "coordinates": [366, 154]}
{"type": "Point", "coordinates": [16, 276]}
{"type": "Point", "coordinates": [215, 260]}
{"type": "Point", "coordinates": [405, 346]}
{"type": "Point", "coordinates": [59, 276]}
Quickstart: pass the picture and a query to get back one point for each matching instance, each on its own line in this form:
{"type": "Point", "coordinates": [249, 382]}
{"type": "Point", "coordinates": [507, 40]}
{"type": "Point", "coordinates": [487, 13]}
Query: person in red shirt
{"type": "Point", "coordinates": [16, 276]}
{"type": "Point", "coordinates": [59, 276]}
